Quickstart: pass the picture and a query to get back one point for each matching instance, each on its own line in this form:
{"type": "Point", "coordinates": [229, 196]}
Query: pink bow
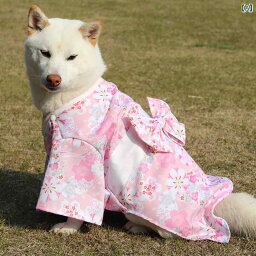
{"type": "Point", "coordinates": [170, 125]}
{"type": "Point", "coordinates": [161, 130]}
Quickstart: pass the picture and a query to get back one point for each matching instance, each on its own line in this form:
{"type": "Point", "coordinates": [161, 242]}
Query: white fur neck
{"type": "Point", "coordinates": [48, 102]}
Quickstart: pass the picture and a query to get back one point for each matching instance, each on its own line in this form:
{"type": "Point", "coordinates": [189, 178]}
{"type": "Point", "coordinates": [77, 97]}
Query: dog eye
{"type": "Point", "coordinates": [71, 57]}
{"type": "Point", "coordinates": [45, 53]}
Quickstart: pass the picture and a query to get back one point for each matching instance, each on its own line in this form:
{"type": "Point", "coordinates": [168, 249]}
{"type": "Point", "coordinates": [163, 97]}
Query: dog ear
{"type": "Point", "coordinates": [37, 20]}
{"type": "Point", "coordinates": [91, 31]}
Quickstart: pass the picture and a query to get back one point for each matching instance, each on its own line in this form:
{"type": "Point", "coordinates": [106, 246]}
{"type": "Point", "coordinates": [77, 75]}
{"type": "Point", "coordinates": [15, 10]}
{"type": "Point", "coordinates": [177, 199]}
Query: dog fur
{"type": "Point", "coordinates": [49, 50]}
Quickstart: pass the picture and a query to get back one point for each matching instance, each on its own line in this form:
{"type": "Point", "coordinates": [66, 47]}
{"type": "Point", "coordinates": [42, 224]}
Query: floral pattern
{"type": "Point", "coordinates": [166, 188]}
{"type": "Point", "coordinates": [71, 209]}
{"type": "Point", "coordinates": [50, 189]}
{"type": "Point", "coordinates": [148, 189]}
{"type": "Point", "coordinates": [177, 180]}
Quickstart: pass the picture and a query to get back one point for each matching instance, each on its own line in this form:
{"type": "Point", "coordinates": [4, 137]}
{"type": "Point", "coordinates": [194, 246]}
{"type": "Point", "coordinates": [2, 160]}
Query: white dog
{"type": "Point", "coordinates": [63, 62]}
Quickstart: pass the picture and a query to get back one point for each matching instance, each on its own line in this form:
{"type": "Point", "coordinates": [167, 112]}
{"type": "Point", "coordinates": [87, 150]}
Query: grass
{"type": "Point", "coordinates": [199, 56]}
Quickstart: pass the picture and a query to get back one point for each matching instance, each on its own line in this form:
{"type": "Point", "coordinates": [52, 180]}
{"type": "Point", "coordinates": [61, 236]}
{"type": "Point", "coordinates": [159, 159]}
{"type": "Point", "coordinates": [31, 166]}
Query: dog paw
{"type": "Point", "coordinates": [164, 233]}
{"type": "Point", "coordinates": [63, 228]}
{"type": "Point", "coordinates": [135, 229]}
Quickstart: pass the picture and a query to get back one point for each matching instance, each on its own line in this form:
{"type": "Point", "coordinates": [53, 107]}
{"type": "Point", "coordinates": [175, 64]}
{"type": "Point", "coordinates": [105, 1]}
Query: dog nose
{"type": "Point", "coordinates": [54, 80]}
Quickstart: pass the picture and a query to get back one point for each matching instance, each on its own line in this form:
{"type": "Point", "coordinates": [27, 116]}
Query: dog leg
{"type": "Point", "coordinates": [239, 210]}
{"type": "Point", "coordinates": [137, 224]}
{"type": "Point", "coordinates": [135, 229]}
{"type": "Point", "coordinates": [69, 227]}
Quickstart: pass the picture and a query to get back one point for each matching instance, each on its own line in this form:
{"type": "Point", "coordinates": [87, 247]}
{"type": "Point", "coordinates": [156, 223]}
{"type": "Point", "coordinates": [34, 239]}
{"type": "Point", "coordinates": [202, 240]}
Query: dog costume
{"type": "Point", "coordinates": [105, 152]}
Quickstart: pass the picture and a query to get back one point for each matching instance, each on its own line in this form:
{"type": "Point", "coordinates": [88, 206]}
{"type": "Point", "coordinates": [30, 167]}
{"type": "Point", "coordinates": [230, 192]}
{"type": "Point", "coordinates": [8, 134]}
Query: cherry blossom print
{"type": "Point", "coordinates": [50, 189]}
{"type": "Point", "coordinates": [167, 203]}
{"type": "Point", "coordinates": [96, 117]}
{"type": "Point", "coordinates": [104, 93]}
{"type": "Point", "coordinates": [180, 221]}
{"type": "Point", "coordinates": [71, 209]}
{"type": "Point", "coordinates": [68, 122]}
{"type": "Point", "coordinates": [206, 229]}
{"type": "Point", "coordinates": [127, 198]}
{"type": "Point", "coordinates": [163, 184]}
{"type": "Point", "coordinates": [197, 194]}
{"type": "Point", "coordinates": [177, 180]}
{"type": "Point", "coordinates": [148, 189]}
{"type": "Point", "coordinates": [72, 187]}
{"type": "Point", "coordinates": [161, 111]}
{"type": "Point", "coordinates": [94, 212]}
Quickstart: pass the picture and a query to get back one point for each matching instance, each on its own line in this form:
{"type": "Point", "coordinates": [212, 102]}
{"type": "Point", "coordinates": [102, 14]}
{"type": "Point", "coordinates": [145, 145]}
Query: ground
{"type": "Point", "coordinates": [199, 56]}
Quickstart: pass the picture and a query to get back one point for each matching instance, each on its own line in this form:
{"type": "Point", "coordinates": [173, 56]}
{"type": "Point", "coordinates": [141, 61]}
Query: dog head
{"type": "Point", "coordinates": [61, 54]}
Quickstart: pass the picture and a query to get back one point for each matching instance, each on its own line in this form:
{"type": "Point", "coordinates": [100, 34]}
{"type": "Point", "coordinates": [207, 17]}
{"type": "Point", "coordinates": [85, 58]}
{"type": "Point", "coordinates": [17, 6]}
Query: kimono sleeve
{"type": "Point", "coordinates": [73, 183]}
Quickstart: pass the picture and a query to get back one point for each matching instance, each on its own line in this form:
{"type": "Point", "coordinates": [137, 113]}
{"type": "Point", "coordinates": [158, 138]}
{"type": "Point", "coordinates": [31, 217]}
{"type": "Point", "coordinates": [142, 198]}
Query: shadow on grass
{"type": "Point", "coordinates": [19, 191]}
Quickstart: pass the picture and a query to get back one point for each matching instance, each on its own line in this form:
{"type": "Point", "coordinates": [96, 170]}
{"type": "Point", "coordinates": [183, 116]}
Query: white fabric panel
{"type": "Point", "coordinates": [125, 160]}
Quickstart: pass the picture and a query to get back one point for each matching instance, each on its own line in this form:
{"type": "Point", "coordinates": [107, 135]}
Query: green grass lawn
{"type": "Point", "coordinates": [199, 56]}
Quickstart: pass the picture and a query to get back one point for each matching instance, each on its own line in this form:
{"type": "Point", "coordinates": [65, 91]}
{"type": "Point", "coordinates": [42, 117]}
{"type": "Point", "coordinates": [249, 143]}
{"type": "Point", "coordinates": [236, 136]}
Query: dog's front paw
{"type": "Point", "coordinates": [63, 228]}
{"type": "Point", "coordinates": [135, 229]}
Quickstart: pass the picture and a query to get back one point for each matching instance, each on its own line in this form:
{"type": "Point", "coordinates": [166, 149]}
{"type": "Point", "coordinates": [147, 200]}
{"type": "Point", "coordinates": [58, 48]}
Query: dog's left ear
{"type": "Point", "coordinates": [37, 20]}
{"type": "Point", "coordinates": [91, 31]}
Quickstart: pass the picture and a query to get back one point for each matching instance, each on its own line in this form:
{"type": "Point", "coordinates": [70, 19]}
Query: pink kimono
{"type": "Point", "coordinates": [105, 152]}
